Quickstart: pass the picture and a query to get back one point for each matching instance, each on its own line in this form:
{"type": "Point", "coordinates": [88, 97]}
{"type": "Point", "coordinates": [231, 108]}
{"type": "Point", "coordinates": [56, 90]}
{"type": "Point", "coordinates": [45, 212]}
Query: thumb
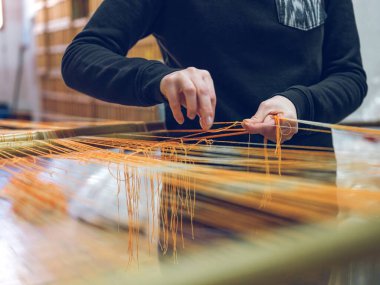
{"type": "Point", "coordinates": [259, 117]}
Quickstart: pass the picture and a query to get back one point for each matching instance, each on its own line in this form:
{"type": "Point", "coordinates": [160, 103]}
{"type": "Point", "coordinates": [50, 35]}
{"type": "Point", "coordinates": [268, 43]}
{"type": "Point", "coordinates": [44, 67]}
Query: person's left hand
{"type": "Point", "coordinates": [263, 122]}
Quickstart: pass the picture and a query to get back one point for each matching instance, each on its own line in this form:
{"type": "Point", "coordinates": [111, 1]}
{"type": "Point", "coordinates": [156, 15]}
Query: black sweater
{"type": "Point", "coordinates": [305, 50]}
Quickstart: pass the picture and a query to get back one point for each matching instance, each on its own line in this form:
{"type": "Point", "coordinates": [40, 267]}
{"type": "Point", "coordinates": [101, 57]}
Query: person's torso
{"type": "Point", "coordinates": [252, 48]}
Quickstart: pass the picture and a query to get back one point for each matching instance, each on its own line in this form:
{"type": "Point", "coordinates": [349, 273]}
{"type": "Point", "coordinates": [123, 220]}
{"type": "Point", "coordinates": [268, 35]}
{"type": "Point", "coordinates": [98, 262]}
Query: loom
{"type": "Point", "coordinates": [276, 207]}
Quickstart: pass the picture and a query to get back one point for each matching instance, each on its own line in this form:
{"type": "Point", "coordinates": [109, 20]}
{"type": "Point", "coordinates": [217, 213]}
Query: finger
{"type": "Point", "coordinates": [262, 112]}
{"type": "Point", "coordinates": [210, 84]}
{"type": "Point", "coordinates": [172, 94]}
{"type": "Point", "coordinates": [288, 128]}
{"type": "Point", "coordinates": [286, 131]}
{"type": "Point", "coordinates": [268, 129]}
{"type": "Point", "coordinates": [265, 128]}
{"type": "Point", "coordinates": [189, 91]}
{"type": "Point", "coordinates": [251, 127]}
{"type": "Point", "coordinates": [205, 109]}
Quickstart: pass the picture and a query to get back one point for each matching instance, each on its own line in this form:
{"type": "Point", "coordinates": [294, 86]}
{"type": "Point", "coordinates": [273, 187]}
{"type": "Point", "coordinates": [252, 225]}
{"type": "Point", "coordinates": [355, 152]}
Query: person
{"type": "Point", "coordinates": [225, 61]}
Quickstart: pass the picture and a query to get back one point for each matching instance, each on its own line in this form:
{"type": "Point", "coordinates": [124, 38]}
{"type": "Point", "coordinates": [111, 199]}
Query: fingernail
{"type": "Point", "coordinates": [249, 122]}
{"type": "Point", "coordinates": [246, 122]}
{"type": "Point", "coordinates": [191, 117]}
{"type": "Point", "coordinates": [208, 122]}
{"type": "Point", "coordinates": [201, 123]}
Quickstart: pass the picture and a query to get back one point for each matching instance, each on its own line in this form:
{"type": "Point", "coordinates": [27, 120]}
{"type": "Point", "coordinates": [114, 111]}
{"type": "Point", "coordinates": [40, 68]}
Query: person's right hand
{"type": "Point", "coordinates": [193, 89]}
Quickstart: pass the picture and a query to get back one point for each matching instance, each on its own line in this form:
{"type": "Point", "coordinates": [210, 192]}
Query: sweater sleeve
{"type": "Point", "coordinates": [343, 84]}
{"type": "Point", "coordinates": [95, 62]}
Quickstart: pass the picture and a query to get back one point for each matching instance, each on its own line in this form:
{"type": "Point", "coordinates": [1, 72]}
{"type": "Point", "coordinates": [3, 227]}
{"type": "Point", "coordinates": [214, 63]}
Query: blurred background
{"type": "Point", "coordinates": [35, 33]}
{"type": "Point", "coordinates": [33, 37]}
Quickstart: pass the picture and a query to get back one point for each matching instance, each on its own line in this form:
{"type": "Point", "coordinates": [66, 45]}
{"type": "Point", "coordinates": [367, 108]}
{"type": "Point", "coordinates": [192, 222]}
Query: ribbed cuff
{"type": "Point", "coordinates": [150, 80]}
{"type": "Point", "coordinates": [302, 102]}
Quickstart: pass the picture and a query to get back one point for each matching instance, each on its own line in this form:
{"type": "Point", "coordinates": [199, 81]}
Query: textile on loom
{"type": "Point", "coordinates": [248, 191]}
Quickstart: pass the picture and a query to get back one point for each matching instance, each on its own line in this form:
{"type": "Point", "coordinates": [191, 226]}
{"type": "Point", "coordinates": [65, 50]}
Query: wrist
{"type": "Point", "coordinates": [152, 77]}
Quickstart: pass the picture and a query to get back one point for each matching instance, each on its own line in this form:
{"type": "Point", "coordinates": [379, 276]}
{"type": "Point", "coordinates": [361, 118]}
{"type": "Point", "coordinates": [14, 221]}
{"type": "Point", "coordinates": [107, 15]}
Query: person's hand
{"type": "Point", "coordinates": [263, 122]}
{"type": "Point", "coordinates": [193, 89]}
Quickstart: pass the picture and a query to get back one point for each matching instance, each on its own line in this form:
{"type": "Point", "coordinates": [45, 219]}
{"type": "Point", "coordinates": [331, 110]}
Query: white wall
{"type": "Point", "coordinates": [17, 32]}
{"type": "Point", "coordinates": [368, 21]}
